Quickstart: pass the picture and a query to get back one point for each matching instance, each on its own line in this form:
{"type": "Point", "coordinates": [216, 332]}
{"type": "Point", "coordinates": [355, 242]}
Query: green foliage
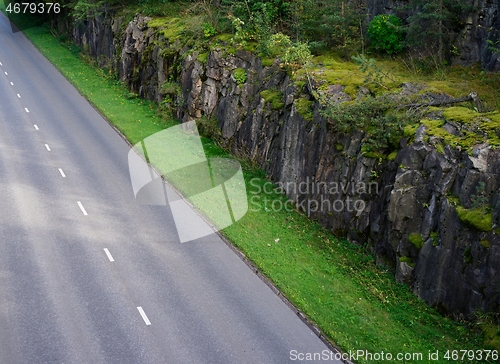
{"type": "Point", "coordinates": [431, 28]}
{"type": "Point", "coordinates": [240, 75]}
{"type": "Point", "coordinates": [479, 200]}
{"type": "Point", "coordinates": [416, 239]}
{"type": "Point", "coordinates": [374, 74]}
{"type": "Point", "coordinates": [208, 30]}
{"type": "Point", "coordinates": [475, 218]}
{"type": "Point", "coordinates": [385, 32]}
{"type": "Point", "coordinates": [383, 126]}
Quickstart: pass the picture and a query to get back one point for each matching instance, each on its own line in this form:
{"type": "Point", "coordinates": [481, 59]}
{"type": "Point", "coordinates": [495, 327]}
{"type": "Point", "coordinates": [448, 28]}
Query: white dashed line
{"type": "Point", "coordinates": [1, 64]}
{"type": "Point", "coordinates": [62, 173]}
{"type": "Point", "coordinates": [12, 83]}
{"type": "Point", "coordinates": [6, 74]}
{"type": "Point", "coordinates": [143, 314]}
{"type": "Point", "coordinates": [82, 208]}
{"type": "Point", "coordinates": [47, 146]}
{"type": "Point", "coordinates": [26, 109]}
{"type": "Point", "coordinates": [110, 257]}
{"type": "Point", "coordinates": [18, 95]}
{"type": "Point", "coordinates": [36, 126]}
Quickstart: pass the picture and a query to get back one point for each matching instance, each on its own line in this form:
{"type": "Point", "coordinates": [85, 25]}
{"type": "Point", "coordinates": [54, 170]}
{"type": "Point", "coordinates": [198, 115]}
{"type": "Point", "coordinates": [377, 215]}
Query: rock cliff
{"type": "Point", "coordinates": [410, 211]}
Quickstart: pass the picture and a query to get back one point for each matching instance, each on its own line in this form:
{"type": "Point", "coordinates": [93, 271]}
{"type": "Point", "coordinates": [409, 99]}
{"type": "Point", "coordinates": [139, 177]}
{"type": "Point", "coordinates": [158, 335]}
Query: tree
{"type": "Point", "coordinates": [432, 24]}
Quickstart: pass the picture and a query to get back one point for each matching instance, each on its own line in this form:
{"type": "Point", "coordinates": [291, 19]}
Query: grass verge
{"type": "Point", "coordinates": [336, 284]}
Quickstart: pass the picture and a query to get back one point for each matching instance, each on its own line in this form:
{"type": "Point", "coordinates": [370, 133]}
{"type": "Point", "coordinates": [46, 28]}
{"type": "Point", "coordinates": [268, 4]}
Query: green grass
{"type": "Point", "coordinates": [357, 304]}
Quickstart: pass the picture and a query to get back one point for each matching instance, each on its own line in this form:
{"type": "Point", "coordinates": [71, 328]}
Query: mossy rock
{"type": "Point", "coordinates": [267, 62]}
{"type": "Point", "coordinates": [304, 108]}
{"type": "Point", "coordinates": [475, 218]}
{"type": "Point", "coordinates": [408, 261]}
{"type": "Point", "coordinates": [171, 28]}
{"type": "Point", "coordinates": [202, 58]}
{"type": "Point", "coordinates": [416, 239]}
{"type": "Point", "coordinates": [485, 243]}
{"type": "Point", "coordinates": [274, 98]}
{"type": "Point", "coordinates": [460, 114]}
{"type": "Point", "coordinates": [392, 156]}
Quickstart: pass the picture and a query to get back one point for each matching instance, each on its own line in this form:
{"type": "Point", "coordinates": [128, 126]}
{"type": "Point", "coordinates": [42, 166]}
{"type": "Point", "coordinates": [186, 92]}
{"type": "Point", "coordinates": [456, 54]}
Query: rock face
{"type": "Point", "coordinates": [404, 210]}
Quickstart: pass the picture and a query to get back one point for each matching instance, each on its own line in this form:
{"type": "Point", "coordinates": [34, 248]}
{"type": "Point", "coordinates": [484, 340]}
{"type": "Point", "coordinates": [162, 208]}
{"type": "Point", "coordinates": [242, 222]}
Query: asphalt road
{"type": "Point", "coordinates": [66, 196]}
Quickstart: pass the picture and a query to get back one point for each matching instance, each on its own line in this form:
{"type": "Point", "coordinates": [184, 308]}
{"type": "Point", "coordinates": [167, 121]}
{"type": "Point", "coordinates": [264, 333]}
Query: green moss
{"type": "Point", "coordinates": [408, 261]}
{"type": "Point", "coordinates": [440, 148]}
{"type": "Point", "coordinates": [267, 62]}
{"type": "Point", "coordinates": [416, 239]}
{"type": "Point", "coordinates": [475, 218]}
{"type": "Point", "coordinates": [485, 243]}
{"type": "Point", "coordinates": [304, 108]}
{"type": "Point", "coordinates": [274, 98]}
{"type": "Point", "coordinates": [202, 57]}
{"type": "Point", "coordinates": [240, 75]}
{"type": "Point", "coordinates": [339, 147]}
{"type": "Point", "coordinates": [171, 28]}
{"type": "Point", "coordinates": [224, 37]}
{"type": "Point", "coordinates": [410, 130]}
{"type": "Point", "coordinates": [466, 142]}
{"type": "Point", "coordinates": [434, 235]}
{"type": "Point", "coordinates": [392, 156]}
{"type": "Point", "coordinates": [453, 200]}
{"type": "Point", "coordinates": [468, 255]}
{"type": "Point", "coordinates": [459, 114]}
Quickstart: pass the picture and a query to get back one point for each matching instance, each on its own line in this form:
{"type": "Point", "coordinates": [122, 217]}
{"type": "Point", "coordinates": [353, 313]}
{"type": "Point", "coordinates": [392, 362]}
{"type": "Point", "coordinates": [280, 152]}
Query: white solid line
{"type": "Point", "coordinates": [62, 173]}
{"type": "Point", "coordinates": [18, 95]}
{"type": "Point", "coordinates": [81, 208]}
{"type": "Point", "coordinates": [12, 83]}
{"type": "Point", "coordinates": [110, 257]}
{"type": "Point", "coordinates": [26, 109]}
{"type": "Point", "coordinates": [143, 314]}
{"type": "Point", "coordinates": [47, 146]}
{"type": "Point", "coordinates": [36, 126]}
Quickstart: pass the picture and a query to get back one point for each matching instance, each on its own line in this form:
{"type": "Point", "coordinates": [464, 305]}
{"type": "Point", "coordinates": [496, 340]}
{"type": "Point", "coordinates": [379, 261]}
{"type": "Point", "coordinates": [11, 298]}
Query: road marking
{"type": "Point", "coordinates": [62, 173]}
{"type": "Point", "coordinates": [82, 208]}
{"type": "Point", "coordinates": [36, 127]}
{"type": "Point", "coordinates": [143, 314]}
{"type": "Point", "coordinates": [18, 95]}
{"type": "Point", "coordinates": [6, 73]}
{"type": "Point", "coordinates": [110, 257]}
{"type": "Point", "coordinates": [47, 146]}
{"type": "Point", "coordinates": [12, 83]}
{"type": "Point", "coordinates": [26, 109]}
{"type": "Point", "coordinates": [1, 64]}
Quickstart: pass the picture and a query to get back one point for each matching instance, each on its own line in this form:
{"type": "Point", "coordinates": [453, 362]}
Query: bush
{"type": "Point", "coordinates": [386, 34]}
{"type": "Point", "coordinates": [240, 75]}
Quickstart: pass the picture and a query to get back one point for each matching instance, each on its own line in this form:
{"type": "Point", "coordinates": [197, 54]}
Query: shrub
{"type": "Point", "coordinates": [385, 33]}
{"type": "Point", "coordinates": [240, 75]}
